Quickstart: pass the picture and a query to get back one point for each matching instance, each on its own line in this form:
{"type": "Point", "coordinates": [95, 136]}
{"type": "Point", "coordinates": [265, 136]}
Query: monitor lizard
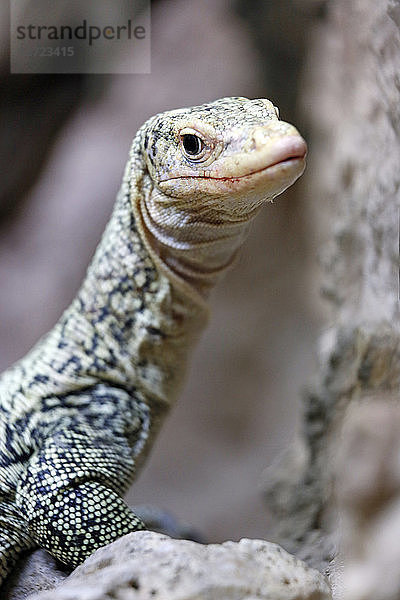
{"type": "Point", "coordinates": [79, 412]}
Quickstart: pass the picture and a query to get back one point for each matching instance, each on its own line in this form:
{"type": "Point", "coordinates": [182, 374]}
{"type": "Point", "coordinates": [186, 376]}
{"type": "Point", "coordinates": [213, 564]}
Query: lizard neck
{"type": "Point", "coordinates": [143, 326]}
{"type": "Point", "coordinates": [128, 327]}
{"type": "Point", "coordinates": [196, 245]}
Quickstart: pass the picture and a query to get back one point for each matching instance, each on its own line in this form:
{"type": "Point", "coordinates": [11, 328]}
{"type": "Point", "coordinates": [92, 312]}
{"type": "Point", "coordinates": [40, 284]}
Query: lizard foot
{"type": "Point", "coordinates": [76, 521]}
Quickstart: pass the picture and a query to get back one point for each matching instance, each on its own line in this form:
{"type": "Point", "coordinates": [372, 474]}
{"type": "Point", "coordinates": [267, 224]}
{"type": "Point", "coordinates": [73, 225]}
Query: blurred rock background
{"type": "Point", "coordinates": [64, 143]}
{"type": "Point", "coordinates": [324, 505]}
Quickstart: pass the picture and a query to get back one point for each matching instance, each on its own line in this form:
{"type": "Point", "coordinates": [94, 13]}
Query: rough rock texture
{"type": "Point", "coordinates": [35, 572]}
{"type": "Point", "coordinates": [39, 571]}
{"type": "Point", "coordinates": [145, 565]}
{"type": "Point", "coordinates": [368, 497]}
{"type": "Point", "coordinates": [353, 103]}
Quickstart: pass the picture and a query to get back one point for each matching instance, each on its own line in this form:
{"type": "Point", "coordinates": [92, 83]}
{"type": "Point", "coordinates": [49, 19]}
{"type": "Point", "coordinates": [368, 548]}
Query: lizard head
{"type": "Point", "coordinates": [230, 155]}
{"type": "Point", "coordinates": [204, 174]}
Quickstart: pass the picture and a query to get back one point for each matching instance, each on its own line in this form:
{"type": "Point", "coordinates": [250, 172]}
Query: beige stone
{"type": "Point", "coordinates": [368, 498]}
{"type": "Point", "coordinates": [352, 101]}
{"type": "Point", "coordinates": [147, 565]}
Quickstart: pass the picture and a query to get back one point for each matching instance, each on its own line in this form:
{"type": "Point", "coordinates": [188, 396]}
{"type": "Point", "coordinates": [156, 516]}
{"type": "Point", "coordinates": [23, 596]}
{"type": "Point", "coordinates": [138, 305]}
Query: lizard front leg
{"type": "Point", "coordinates": [70, 495]}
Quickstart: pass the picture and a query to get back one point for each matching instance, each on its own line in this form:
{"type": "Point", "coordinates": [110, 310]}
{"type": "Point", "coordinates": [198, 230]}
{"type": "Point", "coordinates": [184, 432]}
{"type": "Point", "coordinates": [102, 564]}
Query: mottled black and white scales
{"type": "Point", "coordinates": [79, 412]}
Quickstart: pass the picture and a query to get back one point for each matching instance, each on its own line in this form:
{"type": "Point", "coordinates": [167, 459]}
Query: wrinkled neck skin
{"type": "Point", "coordinates": [192, 240]}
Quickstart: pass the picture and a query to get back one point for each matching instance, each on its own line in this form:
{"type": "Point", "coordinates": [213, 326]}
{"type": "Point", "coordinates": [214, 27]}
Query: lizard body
{"type": "Point", "coordinates": [78, 414]}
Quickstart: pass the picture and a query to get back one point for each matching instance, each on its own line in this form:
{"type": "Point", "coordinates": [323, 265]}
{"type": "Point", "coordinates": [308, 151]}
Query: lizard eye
{"type": "Point", "coordinates": [192, 144]}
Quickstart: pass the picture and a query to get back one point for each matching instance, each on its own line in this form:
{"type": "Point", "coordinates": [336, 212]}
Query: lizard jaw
{"type": "Point", "coordinates": [270, 170]}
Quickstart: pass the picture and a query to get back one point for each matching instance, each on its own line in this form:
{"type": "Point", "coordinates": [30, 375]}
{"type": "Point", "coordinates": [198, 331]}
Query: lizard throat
{"type": "Point", "coordinates": [197, 246]}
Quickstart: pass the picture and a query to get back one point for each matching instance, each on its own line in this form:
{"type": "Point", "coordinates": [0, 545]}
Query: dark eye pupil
{"type": "Point", "coordinates": [192, 144]}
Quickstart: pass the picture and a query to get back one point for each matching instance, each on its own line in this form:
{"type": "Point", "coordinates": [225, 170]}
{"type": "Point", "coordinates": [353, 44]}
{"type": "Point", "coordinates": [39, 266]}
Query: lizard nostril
{"type": "Point", "coordinates": [260, 136]}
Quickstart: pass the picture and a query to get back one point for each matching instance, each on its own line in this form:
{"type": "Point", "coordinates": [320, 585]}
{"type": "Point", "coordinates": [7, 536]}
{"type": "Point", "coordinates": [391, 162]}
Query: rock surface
{"type": "Point", "coordinates": [146, 565]}
{"type": "Point", "coordinates": [35, 572]}
{"type": "Point", "coordinates": [353, 103]}
{"type": "Point", "coordinates": [368, 498]}
{"type": "Point", "coordinates": [38, 571]}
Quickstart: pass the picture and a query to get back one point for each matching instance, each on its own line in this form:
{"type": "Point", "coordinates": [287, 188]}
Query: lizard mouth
{"type": "Point", "coordinates": [287, 162]}
{"type": "Point", "coordinates": [288, 156]}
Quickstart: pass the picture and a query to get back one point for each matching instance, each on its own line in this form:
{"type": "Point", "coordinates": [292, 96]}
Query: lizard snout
{"type": "Point", "coordinates": [276, 134]}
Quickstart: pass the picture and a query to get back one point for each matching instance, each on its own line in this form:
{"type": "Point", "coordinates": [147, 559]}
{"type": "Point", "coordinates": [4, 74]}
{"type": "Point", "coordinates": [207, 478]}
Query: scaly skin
{"type": "Point", "coordinates": [79, 412]}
